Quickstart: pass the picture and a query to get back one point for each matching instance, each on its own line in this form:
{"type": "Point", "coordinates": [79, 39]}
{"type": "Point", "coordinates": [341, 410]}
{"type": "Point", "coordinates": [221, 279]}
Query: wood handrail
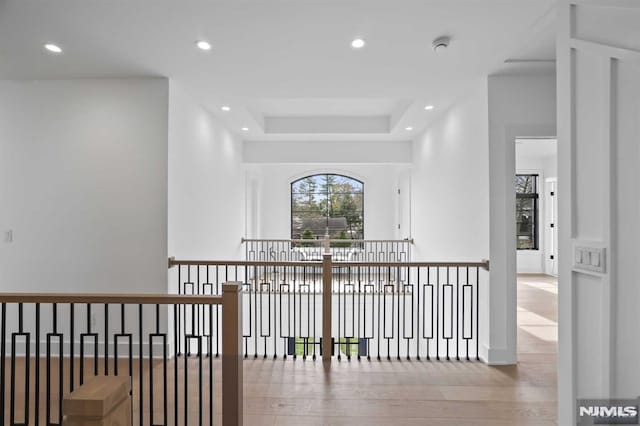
{"type": "Point", "coordinates": [484, 264]}
{"type": "Point", "coordinates": [174, 262]}
{"type": "Point", "coordinates": [110, 298]}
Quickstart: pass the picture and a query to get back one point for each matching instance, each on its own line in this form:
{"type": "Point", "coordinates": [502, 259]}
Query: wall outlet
{"type": "Point", "coordinates": [8, 236]}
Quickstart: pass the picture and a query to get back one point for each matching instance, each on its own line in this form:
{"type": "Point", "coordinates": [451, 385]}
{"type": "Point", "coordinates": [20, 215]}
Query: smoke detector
{"type": "Point", "coordinates": [441, 44]}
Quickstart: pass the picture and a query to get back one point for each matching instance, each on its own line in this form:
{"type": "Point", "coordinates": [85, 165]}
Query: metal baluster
{"type": "Point", "coordinates": [218, 314]}
{"type": "Point", "coordinates": [71, 345]}
{"type": "Point", "coordinates": [165, 394]}
{"type": "Point", "coordinates": [175, 366]}
{"type": "Point", "coordinates": [54, 333]}
{"type": "Point", "coordinates": [177, 318]}
{"type": "Point", "coordinates": [338, 347]}
{"type": "Point", "coordinates": [398, 288]}
{"type": "Point", "coordinates": [106, 339]}
{"type": "Point", "coordinates": [200, 380]}
{"type": "Point", "coordinates": [437, 333]}
{"type": "Point", "coordinates": [27, 363]}
{"type": "Point", "coordinates": [464, 310]}
{"type": "Point", "coordinates": [418, 285]}
{"type": "Point", "coordinates": [450, 287]}
{"type": "Point", "coordinates": [37, 359]}
{"type": "Point", "coordinates": [140, 367]}
{"type": "Point", "coordinates": [255, 298]}
{"type": "Point", "coordinates": [389, 286]}
{"type": "Point", "coordinates": [379, 315]}
{"type": "Point", "coordinates": [457, 313]}
{"type": "Point", "coordinates": [430, 309]}
{"type": "Point", "coordinates": [314, 277]}
{"type": "Point", "coordinates": [83, 336]}
{"type": "Point", "coordinates": [211, 359]}
{"type": "Point", "coordinates": [2, 361]}
{"type": "Point", "coordinates": [477, 313]}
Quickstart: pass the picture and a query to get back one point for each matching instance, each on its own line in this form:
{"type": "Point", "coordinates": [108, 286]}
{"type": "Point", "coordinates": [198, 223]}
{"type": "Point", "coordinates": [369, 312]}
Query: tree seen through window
{"type": "Point", "coordinates": [527, 212]}
{"type": "Point", "coordinates": [327, 203]}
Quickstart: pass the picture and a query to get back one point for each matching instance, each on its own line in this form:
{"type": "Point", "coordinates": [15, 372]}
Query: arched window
{"type": "Point", "coordinates": [327, 203]}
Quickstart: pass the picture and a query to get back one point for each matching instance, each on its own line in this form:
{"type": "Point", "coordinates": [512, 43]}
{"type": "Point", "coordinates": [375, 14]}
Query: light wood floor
{"type": "Point", "coordinates": [299, 392]}
{"type": "Point", "coordinates": [419, 393]}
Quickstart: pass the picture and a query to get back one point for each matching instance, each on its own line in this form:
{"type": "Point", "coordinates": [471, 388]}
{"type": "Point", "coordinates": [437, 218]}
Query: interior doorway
{"type": "Point", "coordinates": [536, 205]}
{"type": "Point", "coordinates": [536, 184]}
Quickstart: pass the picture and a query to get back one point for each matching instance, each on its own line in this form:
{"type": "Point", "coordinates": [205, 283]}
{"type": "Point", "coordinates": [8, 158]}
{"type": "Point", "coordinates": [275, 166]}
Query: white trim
{"type": "Point", "coordinates": [566, 192]}
{"type": "Point", "coordinates": [497, 356]}
{"type": "Point", "coordinates": [608, 199]}
{"type": "Point", "coordinates": [542, 220]}
{"type": "Point", "coordinates": [612, 4]}
{"type": "Point", "coordinates": [600, 49]}
{"type": "Point", "coordinates": [502, 237]}
{"type": "Point", "coordinates": [326, 170]}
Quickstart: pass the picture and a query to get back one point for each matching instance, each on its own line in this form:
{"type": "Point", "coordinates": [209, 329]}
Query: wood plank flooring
{"type": "Point", "coordinates": [297, 392]}
{"type": "Point", "coordinates": [419, 393]}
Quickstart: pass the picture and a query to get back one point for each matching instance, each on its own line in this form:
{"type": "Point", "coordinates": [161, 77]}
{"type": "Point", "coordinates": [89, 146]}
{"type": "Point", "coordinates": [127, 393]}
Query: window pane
{"type": "Point", "coordinates": [526, 211]}
{"type": "Point", "coordinates": [526, 184]}
{"type": "Point", "coordinates": [309, 202]}
{"type": "Point", "coordinates": [327, 203]}
{"type": "Point", "coordinates": [308, 225]}
{"type": "Point", "coordinates": [340, 184]}
{"type": "Point", "coordinates": [308, 184]}
{"type": "Point", "coordinates": [525, 223]}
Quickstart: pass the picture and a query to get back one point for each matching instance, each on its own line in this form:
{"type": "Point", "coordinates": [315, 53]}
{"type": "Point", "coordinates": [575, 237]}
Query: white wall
{"type": "Point", "coordinates": [206, 183]}
{"type": "Point", "coordinates": [313, 152]}
{"type": "Point", "coordinates": [599, 157]}
{"type": "Point", "coordinates": [450, 192]}
{"type": "Point", "coordinates": [519, 106]}
{"type": "Point", "coordinates": [450, 184]}
{"type": "Point", "coordinates": [533, 159]}
{"type": "Point", "coordinates": [272, 183]}
{"type": "Point", "coordinates": [83, 172]}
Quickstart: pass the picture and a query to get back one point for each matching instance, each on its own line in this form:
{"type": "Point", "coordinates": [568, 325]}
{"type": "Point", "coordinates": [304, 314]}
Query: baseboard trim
{"type": "Point", "coordinates": [498, 356]}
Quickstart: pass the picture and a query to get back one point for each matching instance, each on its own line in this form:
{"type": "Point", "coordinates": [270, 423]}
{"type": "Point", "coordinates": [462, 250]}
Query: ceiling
{"type": "Point", "coordinates": [285, 67]}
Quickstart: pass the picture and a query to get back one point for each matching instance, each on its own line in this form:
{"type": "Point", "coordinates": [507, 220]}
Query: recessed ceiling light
{"type": "Point", "coordinates": [245, 129]}
{"type": "Point", "coordinates": [408, 129]}
{"type": "Point", "coordinates": [203, 45]}
{"type": "Point", "coordinates": [429, 107]}
{"type": "Point", "coordinates": [53, 48]}
{"type": "Point", "coordinates": [226, 108]}
{"type": "Point", "coordinates": [358, 43]}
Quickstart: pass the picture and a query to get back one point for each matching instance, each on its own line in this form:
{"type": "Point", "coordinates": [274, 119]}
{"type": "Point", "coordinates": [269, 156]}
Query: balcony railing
{"type": "Point", "coordinates": [382, 310]}
{"type": "Point", "coordinates": [51, 343]}
{"type": "Point", "coordinates": [341, 249]}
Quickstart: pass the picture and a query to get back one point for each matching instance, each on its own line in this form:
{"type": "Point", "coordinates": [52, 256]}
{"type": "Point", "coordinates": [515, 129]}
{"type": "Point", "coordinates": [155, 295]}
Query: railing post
{"type": "Point", "coordinates": [327, 342]}
{"type": "Point", "coordinates": [232, 354]}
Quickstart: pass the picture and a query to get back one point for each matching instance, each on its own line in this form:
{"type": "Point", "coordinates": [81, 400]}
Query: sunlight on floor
{"type": "Point", "coordinates": [551, 288]}
{"type": "Point", "coordinates": [537, 314]}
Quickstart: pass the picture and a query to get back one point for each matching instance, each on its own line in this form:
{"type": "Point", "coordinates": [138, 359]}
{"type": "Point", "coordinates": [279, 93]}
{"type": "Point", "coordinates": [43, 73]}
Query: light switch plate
{"type": "Point", "coordinates": [589, 257]}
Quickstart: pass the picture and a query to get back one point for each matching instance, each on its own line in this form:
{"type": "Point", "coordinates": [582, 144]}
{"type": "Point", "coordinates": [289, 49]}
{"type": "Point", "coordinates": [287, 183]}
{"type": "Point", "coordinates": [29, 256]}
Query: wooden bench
{"type": "Point", "coordinates": [100, 401]}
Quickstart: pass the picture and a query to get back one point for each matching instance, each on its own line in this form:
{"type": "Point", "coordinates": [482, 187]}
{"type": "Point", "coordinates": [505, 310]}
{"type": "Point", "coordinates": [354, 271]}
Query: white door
{"type": "Point", "coordinates": [403, 226]}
